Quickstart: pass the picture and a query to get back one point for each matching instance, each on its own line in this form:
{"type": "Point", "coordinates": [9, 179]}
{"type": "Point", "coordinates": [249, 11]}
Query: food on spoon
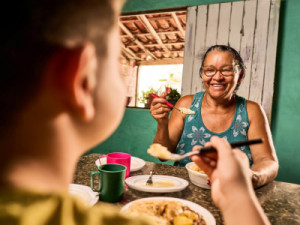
{"type": "Point", "coordinates": [166, 212]}
{"type": "Point", "coordinates": [186, 111]}
{"type": "Point", "coordinates": [159, 151]}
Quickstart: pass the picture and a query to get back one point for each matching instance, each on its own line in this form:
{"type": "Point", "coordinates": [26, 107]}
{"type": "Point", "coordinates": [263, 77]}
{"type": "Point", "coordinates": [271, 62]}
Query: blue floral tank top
{"type": "Point", "coordinates": [195, 132]}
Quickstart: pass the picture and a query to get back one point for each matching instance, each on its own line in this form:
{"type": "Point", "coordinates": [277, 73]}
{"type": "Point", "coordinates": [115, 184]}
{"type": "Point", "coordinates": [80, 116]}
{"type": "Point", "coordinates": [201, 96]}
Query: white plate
{"type": "Point", "coordinates": [208, 217]}
{"type": "Point", "coordinates": [84, 193]}
{"type": "Point", "coordinates": [139, 183]}
{"type": "Point", "coordinates": [135, 164]}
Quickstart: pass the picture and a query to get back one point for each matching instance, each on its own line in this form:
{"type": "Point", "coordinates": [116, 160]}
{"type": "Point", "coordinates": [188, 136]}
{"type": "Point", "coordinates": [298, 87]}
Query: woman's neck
{"type": "Point", "coordinates": [218, 103]}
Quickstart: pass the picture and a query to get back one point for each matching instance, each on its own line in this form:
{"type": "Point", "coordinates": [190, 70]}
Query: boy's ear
{"type": "Point", "coordinates": [76, 79]}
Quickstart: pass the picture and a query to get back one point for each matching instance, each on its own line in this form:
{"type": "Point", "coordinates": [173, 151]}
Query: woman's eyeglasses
{"type": "Point", "coordinates": [210, 71]}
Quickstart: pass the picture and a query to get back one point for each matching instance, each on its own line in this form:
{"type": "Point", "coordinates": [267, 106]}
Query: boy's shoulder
{"type": "Point", "coordinates": [22, 207]}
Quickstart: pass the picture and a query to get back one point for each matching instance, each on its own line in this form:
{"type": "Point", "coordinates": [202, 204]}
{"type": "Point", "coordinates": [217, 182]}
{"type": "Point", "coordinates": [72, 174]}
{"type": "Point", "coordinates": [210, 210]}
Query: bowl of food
{"type": "Point", "coordinates": [197, 176]}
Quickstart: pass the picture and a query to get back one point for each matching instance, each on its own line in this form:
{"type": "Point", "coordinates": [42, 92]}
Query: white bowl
{"type": "Point", "coordinates": [197, 178]}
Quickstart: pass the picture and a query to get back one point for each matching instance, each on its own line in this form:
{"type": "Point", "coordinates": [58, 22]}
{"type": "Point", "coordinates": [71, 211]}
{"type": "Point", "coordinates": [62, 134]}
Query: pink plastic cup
{"type": "Point", "coordinates": [118, 158]}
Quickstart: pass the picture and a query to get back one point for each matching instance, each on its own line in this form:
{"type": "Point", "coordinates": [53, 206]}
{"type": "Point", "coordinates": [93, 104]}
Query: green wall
{"type": "Point", "coordinates": [286, 109]}
{"type": "Point", "coordinates": [134, 135]}
{"type": "Point", "coordinates": [146, 5]}
{"type": "Point", "coordinates": [137, 129]}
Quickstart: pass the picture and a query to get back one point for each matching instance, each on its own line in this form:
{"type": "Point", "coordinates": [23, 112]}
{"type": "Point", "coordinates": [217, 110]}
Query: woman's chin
{"type": "Point", "coordinates": [221, 96]}
{"type": "Point", "coordinates": [219, 93]}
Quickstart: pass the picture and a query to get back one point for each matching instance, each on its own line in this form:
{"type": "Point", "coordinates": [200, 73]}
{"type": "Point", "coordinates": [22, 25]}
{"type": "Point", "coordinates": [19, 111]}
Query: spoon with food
{"type": "Point", "coordinates": [180, 109]}
{"type": "Point", "coordinates": [161, 152]}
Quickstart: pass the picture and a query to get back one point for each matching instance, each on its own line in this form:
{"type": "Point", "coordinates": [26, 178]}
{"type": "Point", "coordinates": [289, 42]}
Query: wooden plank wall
{"type": "Point", "coordinates": [251, 27]}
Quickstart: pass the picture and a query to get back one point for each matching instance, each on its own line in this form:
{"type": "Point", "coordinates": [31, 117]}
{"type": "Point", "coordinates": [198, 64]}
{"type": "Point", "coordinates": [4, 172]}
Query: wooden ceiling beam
{"type": "Point", "coordinates": [129, 53]}
{"type": "Point", "coordinates": [160, 18]}
{"type": "Point", "coordinates": [153, 45]}
{"type": "Point", "coordinates": [150, 46]}
{"type": "Point", "coordinates": [169, 32]}
{"type": "Point", "coordinates": [129, 21]}
{"type": "Point", "coordinates": [178, 23]}
{"type": "Point", "coordinates": [139, 44]}
{"type": "Point", "coordinates": [161, 61]}
{"type": "Point", "coordinates": [161, 32]}
{"type": "Point", "coordinates": [124, 56]}
{"type": "Point", "coordinates": [142, 34]}
{"type": "Point", "coordinates": [138, 53]}
{"type": "Point", "coordinates": [151, 18]}
{"type": "Point", "coordinates": [148, 25]}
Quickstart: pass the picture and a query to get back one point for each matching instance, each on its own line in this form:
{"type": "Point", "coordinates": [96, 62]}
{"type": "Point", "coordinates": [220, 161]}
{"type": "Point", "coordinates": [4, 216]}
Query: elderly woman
{"type": "Point", "coordinates": [219, 112]}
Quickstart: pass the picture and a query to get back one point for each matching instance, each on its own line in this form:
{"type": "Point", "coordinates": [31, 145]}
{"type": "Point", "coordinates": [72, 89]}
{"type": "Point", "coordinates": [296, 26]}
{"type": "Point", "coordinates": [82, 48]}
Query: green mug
{"type": "Point", "coordinates": [111, 182]}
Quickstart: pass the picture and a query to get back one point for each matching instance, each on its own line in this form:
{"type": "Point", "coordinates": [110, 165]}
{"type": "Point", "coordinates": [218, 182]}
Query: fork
{"type": "Point", "coordinates": [170, 105]}
{"type": "Point", "coordinates": [178, 157]}
{"type": "Point", "coordinates": [149, 181]}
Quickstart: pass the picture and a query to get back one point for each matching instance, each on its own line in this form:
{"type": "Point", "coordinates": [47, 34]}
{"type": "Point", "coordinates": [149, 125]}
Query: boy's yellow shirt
{"type": "Point", "coordinates": [18, 207]}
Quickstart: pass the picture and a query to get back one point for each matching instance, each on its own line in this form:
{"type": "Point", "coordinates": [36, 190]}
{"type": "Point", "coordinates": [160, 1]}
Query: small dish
{"type": "Point", "coordinates": [161, 183]}
{"type": "Point", "coordinates": [197, 178]}
{"type": "Point", "coordinates": [84, 193]}
{"type": "Point", "coordinates": [207, 216]}
{"type": "Point", "coordinates": [135, 164]}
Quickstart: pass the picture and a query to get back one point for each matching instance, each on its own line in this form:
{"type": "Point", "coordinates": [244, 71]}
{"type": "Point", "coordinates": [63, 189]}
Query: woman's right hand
{"type": "Point", "coordinates": [159, 110]}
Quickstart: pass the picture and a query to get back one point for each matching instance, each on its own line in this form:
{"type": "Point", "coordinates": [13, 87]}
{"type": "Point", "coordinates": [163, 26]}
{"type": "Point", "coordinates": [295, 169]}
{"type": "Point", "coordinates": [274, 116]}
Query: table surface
{"type": "Point", "coordinates": [280, 200]}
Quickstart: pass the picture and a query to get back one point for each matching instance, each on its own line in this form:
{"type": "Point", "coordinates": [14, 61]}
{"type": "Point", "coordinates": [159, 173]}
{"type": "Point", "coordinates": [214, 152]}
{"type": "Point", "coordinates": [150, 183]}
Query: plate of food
{"type": "Point", "coordinates": [168, 210]}
{"type": "Point", "coordinates": [135, 164]}
{"type": "Point", "coordinates": [84, 193]}
{"type": "Point", "coordinates": [161, 183]}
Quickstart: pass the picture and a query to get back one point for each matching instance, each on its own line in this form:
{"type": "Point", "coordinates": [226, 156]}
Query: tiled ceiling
{"type": "Point", "coordinates": [156, 38]}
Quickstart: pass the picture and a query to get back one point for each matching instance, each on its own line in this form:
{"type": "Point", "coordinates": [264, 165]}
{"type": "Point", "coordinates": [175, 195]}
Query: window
{"type": "Point", "coordinates": [157, 78]}
{"type": "Point", "coordinates": [152, 52]}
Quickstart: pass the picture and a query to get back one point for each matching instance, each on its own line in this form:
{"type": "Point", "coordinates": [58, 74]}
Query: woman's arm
{"type": "Point", "coordinates": [169, 131]}
{"type": "Point", "coordinates": [265, 162]}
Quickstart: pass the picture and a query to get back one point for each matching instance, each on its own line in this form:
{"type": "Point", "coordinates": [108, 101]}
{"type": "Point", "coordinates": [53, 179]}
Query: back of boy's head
{"type": "Point", "coordinates": [32, 30]}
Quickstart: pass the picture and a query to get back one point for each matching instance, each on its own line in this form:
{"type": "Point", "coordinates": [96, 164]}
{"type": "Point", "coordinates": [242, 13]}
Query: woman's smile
{"type": "Point", "coordinates": [218, 86]}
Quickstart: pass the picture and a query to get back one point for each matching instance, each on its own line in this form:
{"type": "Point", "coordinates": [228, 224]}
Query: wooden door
{"type": "Point", "coordinates": [251, 27]}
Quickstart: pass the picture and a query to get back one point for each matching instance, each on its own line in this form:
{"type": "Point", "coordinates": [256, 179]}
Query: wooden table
{"type": "Point", "coordinates": [280, 200]}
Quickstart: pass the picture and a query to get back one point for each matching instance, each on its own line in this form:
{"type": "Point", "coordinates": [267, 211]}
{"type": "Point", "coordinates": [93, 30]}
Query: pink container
{"type": "Point", "coordinates": [118, 158]}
